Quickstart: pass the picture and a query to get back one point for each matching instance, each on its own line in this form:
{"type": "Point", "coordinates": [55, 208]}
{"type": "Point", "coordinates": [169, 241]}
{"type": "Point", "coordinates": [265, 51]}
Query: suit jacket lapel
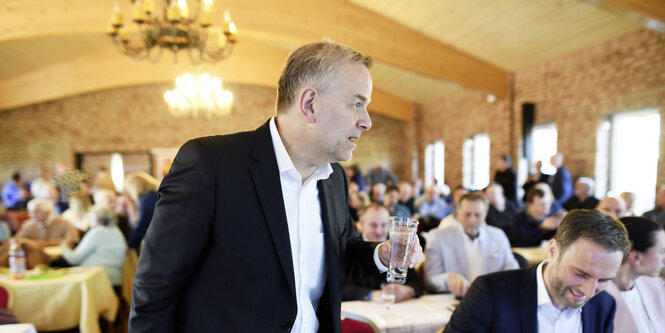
{"type": "Point", "coordinates": [265, 174]}
{"type": "Point", "coordinates": [528, 294]}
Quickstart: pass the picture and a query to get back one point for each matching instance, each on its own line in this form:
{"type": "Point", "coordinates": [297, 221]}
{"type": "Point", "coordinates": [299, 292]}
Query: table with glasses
{"type": "Point", "coordinates": [64, 298]}
{"type": "Point", "coordinates": [426, 314]}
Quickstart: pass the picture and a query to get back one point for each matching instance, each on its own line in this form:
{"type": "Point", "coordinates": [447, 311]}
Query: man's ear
{"type": "Point", "coordinates": [553, 249]}
{"type": "Point", "coordinates": [307, 97]}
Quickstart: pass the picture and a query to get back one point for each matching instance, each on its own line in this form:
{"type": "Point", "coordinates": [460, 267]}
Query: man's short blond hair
{"type": "Point", "coordinates": [314, 64]}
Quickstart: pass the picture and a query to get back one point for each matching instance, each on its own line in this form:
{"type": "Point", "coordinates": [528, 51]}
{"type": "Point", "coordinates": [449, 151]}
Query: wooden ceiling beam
{"type": "Point", "coordinates": [299, 20]}
{"type": "Point", "coordinates": [654, 9]}
{"type": "Point", "coordinates": [253, 63]}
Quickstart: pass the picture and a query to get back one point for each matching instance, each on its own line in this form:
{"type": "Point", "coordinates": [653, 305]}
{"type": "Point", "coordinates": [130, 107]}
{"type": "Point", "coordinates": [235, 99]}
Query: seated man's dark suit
{"type": "Point", "coordinates": [525, 232]}
{"type": "Point", "coordinates": [507, 301]}
{"type": "Point", "coordinates": [360, 279]}
{"type": "Point", "coordinates": [217, 255]}
{"type": "Point", "coordinates": [575, 203]}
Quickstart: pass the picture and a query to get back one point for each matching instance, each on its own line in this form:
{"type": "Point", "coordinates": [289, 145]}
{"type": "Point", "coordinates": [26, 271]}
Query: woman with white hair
{"type": "Point", "coordinates": [103, 245]}
{"type": "Point", "coordinates": [142, 189]}
{"type": "Point", "coordinates": [638, 290]}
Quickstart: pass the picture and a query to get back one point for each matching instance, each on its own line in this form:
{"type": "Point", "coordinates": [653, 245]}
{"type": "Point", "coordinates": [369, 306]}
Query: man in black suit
{"type": "Point", "coordinates": [252, 229]}
{"type": "Point", "coordinates": [562, 294]}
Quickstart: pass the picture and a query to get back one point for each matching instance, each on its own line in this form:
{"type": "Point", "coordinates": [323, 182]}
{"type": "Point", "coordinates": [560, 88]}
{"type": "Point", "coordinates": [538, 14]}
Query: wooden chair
{"type": "Point", "coordinates": [355, 326]}
{"type": "Point", "coordinates": [128, 271]}
{"type": "Point", "coordinates": [7, 296]}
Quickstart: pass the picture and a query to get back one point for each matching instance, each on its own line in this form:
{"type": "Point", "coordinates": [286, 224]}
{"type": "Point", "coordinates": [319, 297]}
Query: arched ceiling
{"type": "Point", "coordinates": [424, 49]}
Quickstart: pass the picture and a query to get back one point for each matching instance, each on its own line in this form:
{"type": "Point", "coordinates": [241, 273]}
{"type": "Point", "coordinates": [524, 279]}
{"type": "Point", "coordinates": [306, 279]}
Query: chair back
{"type": "Point", "coordinates": [128, 271]}
{"type": "Point", "coordinates": [6, 296]}
{"type": "Point", "coordinates": [355, 326]}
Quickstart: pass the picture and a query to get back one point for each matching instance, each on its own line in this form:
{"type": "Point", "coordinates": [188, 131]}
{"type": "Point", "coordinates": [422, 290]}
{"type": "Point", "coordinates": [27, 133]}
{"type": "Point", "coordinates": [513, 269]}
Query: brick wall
{"type": "Point", "coordinates": [136, 119]}
{"type": "Point", "coordinates": [574, 91]}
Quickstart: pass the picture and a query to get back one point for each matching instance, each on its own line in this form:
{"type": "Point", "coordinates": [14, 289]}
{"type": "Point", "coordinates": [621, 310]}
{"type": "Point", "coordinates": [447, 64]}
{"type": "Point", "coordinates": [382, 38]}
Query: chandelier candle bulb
{"type": "Point", "coordinates": [173, 14]}
{"type": "Point", "coordinates": [139, 14]}
{"type": "Point", "coordinates": [116, 18]}
{"type": "Point", "coordinates": [205, 19]}
{"type": "Point", "coordinates": [184, 9]}
{"type": "Point", "coordinates": [149, 6]}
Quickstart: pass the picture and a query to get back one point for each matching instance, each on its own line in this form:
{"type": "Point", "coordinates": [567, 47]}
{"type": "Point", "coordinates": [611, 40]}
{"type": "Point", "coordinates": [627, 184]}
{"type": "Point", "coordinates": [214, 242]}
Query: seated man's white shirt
{"type": "Point", "coordinates": [550, 318]}
{"type": "Point", "coordinates": [450, 250]}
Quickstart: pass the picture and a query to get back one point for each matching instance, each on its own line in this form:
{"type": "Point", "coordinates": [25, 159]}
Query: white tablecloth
{"type": "Point", "coordinates": [18, 328]}
{"type": "Point", "coordinates": [429, 313]}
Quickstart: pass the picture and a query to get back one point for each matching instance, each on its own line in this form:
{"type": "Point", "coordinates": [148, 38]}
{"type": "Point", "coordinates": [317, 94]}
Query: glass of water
{"type": "Point", "coordinates": [402, 238]}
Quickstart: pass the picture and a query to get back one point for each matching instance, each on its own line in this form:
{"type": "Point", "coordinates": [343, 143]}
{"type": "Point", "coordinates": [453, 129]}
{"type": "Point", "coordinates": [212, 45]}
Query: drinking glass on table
{"type": "Point", "coordinates": [402, 237]}
{"type": "Point", "coordinates": [388, 294]}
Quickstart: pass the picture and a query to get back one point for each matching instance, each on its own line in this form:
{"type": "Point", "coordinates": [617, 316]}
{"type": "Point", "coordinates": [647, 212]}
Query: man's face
{"type": "Point", "coordinates": [611, 206]}
{"type": "Point", "coordinates": [341, 114]}
{"type": "Point", "coordinates": [471, 214]}
{"type": "Point", "coordinates": [39, 214]}
{"type": "Point", "coordinates": [652, 261]}
{"type": "Point", "coordinates": [405, 190]}
{"type": "Point", "coordinates": [375, 224]}
{"type": "Point", "coordinates": [538, 207]}
{"type": "Point", "coordinates": [581, 191]}
{"type": "Point", "coordinates": [391, 198]}
{"type": "Point", "coordinates": [581, 272]}
{"type": "Point", "coordinates": [493, 193]}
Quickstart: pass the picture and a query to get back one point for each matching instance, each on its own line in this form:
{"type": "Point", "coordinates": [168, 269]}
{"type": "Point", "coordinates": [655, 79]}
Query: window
{"type": "Point", "coordinates": [627, 162]}
{"type": "Point", "coordinates": [544, 138]}
{"type": "Point", "coordinates": [434, 163]}
{"type": "Point", "coordinates": [476, 162]}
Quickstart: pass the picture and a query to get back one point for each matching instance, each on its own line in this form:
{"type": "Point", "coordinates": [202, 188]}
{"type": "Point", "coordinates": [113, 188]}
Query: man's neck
{"type": "Point", "coordinates": [291, 138]}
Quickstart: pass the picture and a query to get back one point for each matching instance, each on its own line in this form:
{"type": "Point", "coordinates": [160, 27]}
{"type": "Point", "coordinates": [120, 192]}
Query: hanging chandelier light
{"type": "Point", "coordinates": [175, 25]}
{"type": "Point", "coordinates": [199, 95]}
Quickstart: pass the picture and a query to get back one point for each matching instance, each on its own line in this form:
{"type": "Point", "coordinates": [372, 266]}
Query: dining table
{"type": "Point", "coordinates": [427, 314]}
{"type": "Point", "coordinates": [60, 299]}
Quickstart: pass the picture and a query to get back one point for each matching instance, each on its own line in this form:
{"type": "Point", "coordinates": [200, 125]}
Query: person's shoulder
{"type": "Point", "coordinates": [495, 232]}
{"type": "Point", "coordinates": [507, 278]}
{"type": "Point", "coordinates": [603, 302]}
{"type": "Point", "coordinates": [650, 282]}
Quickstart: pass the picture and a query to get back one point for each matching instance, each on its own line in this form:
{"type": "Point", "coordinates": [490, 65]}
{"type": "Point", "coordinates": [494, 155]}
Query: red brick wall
{"type": "Point", "coordinates": [136, 119]}
{"type": "Point", "coordinates": [574, 91]}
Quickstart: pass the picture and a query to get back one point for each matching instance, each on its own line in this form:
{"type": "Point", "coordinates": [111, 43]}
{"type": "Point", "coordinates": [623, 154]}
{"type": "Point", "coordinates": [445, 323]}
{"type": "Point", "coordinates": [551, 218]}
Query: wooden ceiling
{"type": "Point", "coordinates": [424, 49]}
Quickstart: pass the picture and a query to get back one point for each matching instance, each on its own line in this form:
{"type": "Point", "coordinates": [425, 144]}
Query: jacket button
{"type": "Point", "coordinates": [286, 325]}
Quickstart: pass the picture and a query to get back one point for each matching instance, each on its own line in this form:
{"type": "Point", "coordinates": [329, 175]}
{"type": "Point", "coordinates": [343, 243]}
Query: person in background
{"type": "Point", "coordinates": [502, 212]}
{"type": "Point", "coordinates": [555, 207]}
{"type": "Point", "coordinates": [364, 282]}
{"type": "Point", "coordinates": [380, 174]}
{"type": "Point", "coordinates": [451, 219]}
{"type": "Point", "coordinates": [561, 181]}
{"type": "Point", "coordinates": [78, 213]}
{"type": "Point", "coordinates": [68, 181]}
{"type": "Point", "coordinates": [354, 174]}
{"type": "Point", "coordinates": [582, 195]}
{"type": "Point", "coordinates": [14, 194]}
{"type": "Point", "coordinates": [562, 294]}
{"type": "Point", "coordinates": [5, 230]}
{"type": "Point", "coordinates": [637, 288]}
{"type": "Point", "coordinates": [505, 176]}
{"type": "Point", "coordinates": [532, 226]}
{"type": "Point", "coordinates": [536, 176]}
{"type": "Point", "coordinates": [612, 206]}
{"type": "Point", "coordinates": [40, 186]}
{"type": "Point", "coordinates": [391, 202]}
{"type": "Point", "coordinates": [378, 192]}
{"type": "Point", "coordinates": [629, 199]}
{"type": "Point", "coordinates": [458, 254]}
{"type": "Point", "coordinates": [103, 245]}
{"type": "Point", "coordinates": [142, 188]}
{"type": "Point", "coordinates": [658, 212]}
{"type": "Point", "coordinates": [44, 227]}
{"type": "Point", "coordinates": [433, 204]}
{"type": "Point", "coordinates": [406, 197]}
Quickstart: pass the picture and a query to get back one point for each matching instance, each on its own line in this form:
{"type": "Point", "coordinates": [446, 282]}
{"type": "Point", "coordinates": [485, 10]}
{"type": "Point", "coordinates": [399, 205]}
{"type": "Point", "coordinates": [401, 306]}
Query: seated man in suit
{"type": "Point", "coordinates": [364, 282]}
{"type": "Point", "coordinates": [561, 294]}
{"type": "Point", "coordinates": [532, 225]}
{"type": "Point", "coordinates": [458, 254]}
{"type": "Point", "coordinates": [44, 227]}
{"type": "Point", "coordinates": [582, 195]}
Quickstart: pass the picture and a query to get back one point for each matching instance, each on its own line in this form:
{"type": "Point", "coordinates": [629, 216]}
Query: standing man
{"type": "Point", "coordinates": [561, 294]}
{"type": "Point", "coordinates": [505, 176]}
{"type": "Point", "coordinates": [252, 229]}
{"type": "Point", "coordinates": [562, 182]}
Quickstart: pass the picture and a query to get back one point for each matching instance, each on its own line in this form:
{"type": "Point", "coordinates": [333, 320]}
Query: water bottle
{"type": "Point", "coordinates": [16, 260]}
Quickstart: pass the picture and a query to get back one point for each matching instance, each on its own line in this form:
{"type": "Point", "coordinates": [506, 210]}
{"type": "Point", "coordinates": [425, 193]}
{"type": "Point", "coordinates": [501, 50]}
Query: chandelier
{"type": "Point", "coordinates": [199, 95]}
{"type": "Point", "coordinates": [175, 25]}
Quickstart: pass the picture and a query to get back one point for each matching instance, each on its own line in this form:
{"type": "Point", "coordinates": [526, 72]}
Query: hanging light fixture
{"type": "Point", "coordinates": [175, 25]}
{"type": "Point", "coordinates": [199, 95]}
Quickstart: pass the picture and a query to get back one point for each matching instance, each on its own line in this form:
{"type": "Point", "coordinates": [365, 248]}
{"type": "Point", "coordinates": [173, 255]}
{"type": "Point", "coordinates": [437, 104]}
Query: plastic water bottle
{"type": "Point", "coordinates": [16, 260]}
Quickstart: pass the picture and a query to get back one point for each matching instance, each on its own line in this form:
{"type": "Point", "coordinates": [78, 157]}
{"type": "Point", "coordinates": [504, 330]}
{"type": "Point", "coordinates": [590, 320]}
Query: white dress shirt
{"type": "Point", "coordinates": [303, 215]}
{"type": "Point", "coordinates": [550, 318]}
{"type": "Point", "coordinates": [474, 253]}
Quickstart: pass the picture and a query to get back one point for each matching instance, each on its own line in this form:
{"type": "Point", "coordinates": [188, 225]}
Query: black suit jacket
{"type": "Point", "coordinates": [508, 302]}
{"type": "Point", "coordinates": [217, 255]}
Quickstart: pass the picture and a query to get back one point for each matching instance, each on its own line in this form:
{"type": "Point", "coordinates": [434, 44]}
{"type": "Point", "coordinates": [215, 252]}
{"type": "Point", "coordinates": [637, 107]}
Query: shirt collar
{"type": "Point", "coordinates": [543, 296]}
{"type": "Point", "coordinates": [481, 232]}
{"type": "Point", "coordinates": [284, 162]}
